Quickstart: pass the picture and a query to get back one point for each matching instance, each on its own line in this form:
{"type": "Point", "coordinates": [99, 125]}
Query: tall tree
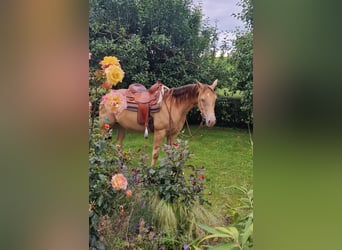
{"type": "Point", "coordinates": [242, 58]}
{"type": "Point", "coordinates": [154, 39]}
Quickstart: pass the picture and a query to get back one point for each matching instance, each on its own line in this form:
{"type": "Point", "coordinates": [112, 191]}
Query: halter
{"type": "Point", "coordinates": [199, 104]}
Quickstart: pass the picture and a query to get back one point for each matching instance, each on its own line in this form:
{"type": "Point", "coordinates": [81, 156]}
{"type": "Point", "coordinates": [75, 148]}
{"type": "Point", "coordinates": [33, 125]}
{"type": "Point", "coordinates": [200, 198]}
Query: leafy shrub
{"type": "Point", "coordinates": [169, 179]}
{"type": "Point", "coordinates": [176, 197]}
{"type": "Point", "coordinates": [105, 199]}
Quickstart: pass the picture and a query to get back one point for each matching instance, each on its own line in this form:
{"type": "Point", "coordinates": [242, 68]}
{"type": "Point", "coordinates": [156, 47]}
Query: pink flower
{"type": "Point", "coordinates": [119, 181]}
{"type": "Point", "coordinates": [89, 55]}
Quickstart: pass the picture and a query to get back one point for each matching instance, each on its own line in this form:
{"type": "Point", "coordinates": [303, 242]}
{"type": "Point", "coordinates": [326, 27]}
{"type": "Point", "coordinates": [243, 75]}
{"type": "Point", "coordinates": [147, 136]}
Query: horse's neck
{"type": "Point", "coordinates": [189, 106]}
{"type": "Point", "coordinates": [184, 107]}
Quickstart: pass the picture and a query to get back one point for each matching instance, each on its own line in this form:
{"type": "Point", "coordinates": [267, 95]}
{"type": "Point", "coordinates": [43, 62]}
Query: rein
{"type": "Point", "coordinates": [169, 111]}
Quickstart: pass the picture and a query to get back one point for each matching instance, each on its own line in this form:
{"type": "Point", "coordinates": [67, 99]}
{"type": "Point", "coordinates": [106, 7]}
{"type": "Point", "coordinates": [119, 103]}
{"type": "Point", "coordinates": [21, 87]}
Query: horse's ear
{"type": "Point", "coordinates": [213, 86]}
{"type": "Point", "coordinates": [198, 83]}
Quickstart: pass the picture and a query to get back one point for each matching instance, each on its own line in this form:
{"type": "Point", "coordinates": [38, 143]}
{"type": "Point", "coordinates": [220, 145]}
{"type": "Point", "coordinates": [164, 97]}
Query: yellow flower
{"type": "Point", "coordinates": [108, 61]}
{"type": "Point", "coordinates": [114, 74]}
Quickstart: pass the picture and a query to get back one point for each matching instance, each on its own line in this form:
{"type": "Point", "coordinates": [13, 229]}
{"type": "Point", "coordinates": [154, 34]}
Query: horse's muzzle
{"type": "Point", "coordinates": [210, 120]}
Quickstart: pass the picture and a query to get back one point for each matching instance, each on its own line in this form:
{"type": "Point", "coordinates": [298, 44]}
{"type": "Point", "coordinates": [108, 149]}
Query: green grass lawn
{"type": "Point", "coordinates": [225, 153]}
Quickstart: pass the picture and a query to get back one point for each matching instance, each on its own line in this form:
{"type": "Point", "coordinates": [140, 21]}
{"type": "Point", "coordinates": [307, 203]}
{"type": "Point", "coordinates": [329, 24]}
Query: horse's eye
{"type": "Point", "coordinates": [203, 102]}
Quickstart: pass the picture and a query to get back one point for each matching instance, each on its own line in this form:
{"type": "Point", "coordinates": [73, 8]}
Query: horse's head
{"type": "Point", "coordinates": [206, 102]}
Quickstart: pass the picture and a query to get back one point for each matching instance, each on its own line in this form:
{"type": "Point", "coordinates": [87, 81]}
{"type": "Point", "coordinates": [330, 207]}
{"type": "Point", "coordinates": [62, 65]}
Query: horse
{"type": "Point", "coordinates": [169, 121]}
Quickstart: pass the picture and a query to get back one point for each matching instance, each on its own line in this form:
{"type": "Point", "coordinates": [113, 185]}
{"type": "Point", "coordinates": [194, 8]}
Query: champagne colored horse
{"type": "Point", "coordinates": [169, 121]}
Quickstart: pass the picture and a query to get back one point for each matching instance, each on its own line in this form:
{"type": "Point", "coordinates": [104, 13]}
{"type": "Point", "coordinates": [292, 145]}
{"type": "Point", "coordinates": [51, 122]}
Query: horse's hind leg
{"type": "Point", "coordinates": [106, 121]}
{"type": "Point", "coordinates": [157, 140]}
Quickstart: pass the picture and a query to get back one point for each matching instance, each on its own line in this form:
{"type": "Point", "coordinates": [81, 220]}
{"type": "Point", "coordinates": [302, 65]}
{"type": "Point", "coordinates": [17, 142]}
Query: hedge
{"type": "Point", "coordinates": [227, 111]}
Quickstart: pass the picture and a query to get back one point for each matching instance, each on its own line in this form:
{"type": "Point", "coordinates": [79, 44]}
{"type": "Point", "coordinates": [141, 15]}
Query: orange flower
{"type": "Point", "coordinates": [108, 61]}
{"type": "Point", "coordinates": [119, 181]}
{"type": "Point", "coordinates": [129, 192]}
{"type": "Point", "coordinates": [106, 85]}
{"type": "Point", "coordinates": [107, 126]}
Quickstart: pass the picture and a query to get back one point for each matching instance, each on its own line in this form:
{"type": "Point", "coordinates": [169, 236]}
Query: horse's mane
{"type": "Point", "coordinates": [183, 93]}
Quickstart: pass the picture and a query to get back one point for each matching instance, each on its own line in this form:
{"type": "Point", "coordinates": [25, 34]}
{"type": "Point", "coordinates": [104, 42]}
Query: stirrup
{"type": "Point", "coordinates": [146, 133]}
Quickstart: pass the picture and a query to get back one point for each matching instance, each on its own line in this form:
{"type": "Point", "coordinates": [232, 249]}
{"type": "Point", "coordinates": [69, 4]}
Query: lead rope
{"type": "Point", "coordinates": [200, 126]}
{"type": "Point", "coordinates": [188, 127]}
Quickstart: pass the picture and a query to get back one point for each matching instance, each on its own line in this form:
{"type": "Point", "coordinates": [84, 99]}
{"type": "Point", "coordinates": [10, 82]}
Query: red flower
{"type": "Point", "coordinates": [176, 145]}
{"type": "Point", "coordinates": [202, 177]}
{"type": "Point", "coordinates": [107, 126]}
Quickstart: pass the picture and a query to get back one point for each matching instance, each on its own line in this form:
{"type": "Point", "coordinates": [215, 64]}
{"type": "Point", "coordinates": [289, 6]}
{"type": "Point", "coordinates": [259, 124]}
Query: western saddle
{"type": "Point", "coordinates": [144, 101]}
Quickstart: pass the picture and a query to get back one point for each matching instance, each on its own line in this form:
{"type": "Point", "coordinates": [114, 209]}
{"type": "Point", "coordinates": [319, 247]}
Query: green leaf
{"type": "Point", "coordinates": [223, 230]}
{"type": "Point", "coordinates": [216, 236]}
{"type": "Point", "coordinates": [247, 233]}
{"type": "Point", "coordinates": [209, 229]}
{"type": "Point", "coordinates": [100, 200]}
{"type": "Point", "coordinates": [225, 246]}
{"type": "Point", "coordinates": [102, 145]}
{"type": "Point", "coordinates": [232, 231]}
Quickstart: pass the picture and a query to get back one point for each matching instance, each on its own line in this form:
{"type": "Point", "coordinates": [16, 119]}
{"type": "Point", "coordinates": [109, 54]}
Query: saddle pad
{"type": "Point", "coordinates": [134, 107]}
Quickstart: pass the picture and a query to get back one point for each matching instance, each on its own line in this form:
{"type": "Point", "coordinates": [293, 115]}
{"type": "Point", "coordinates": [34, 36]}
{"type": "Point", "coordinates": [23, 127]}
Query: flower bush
{"type": "Point", "coordinates": [102, 80]}
{"type": "Point", "coordinates": [130, 202]}
{"type": "Point", "coordinates": [110, 186]}
{"type": "Point", "coordinates": [169, 178]}
{"type": "Point", "coordinates": [175, 193]}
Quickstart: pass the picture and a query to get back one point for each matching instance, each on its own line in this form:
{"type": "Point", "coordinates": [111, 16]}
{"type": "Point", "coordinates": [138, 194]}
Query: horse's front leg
{"type": "Point", "coordinates": [157, 140]}
{"type": "Point", "coordinates": [120, 136]}
{"type": "Point", "coordinates": [171, 139]}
